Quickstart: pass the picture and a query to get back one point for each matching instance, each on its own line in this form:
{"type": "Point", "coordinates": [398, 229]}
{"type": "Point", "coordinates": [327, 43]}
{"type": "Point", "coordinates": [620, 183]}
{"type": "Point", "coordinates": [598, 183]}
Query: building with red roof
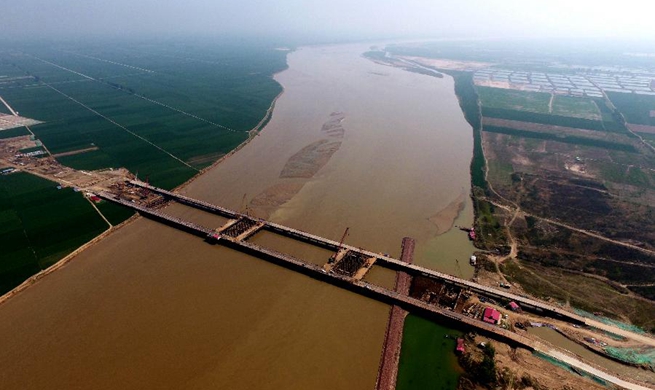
{"type": "Point", "coordinates": [491, 316]}
{"type": "Point", "coordinates": [514, 306]}
{"type": "Point", "coordinates": [460, 346]}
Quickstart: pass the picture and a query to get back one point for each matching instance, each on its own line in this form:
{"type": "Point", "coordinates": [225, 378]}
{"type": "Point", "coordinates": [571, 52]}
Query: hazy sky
{"type": "Point", "coordinates": [338, 18]}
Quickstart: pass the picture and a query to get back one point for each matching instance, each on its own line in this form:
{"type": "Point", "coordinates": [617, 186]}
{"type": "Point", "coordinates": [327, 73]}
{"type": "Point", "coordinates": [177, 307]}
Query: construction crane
{"type": "Point", "coordinates": [343, 238]}
{"type": "Point", "coordinates": [144, 192]}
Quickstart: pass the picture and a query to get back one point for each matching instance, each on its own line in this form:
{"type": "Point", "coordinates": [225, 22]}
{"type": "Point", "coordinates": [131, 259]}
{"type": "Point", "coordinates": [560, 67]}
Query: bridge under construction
{"type": "Point", "coordinates": [348, 266]}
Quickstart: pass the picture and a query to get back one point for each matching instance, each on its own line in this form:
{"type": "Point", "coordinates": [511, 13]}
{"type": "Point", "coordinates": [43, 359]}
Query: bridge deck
{"type": "Point", "coordinates": [383, 260]}
{"type": "Point", "coordinates": [376, 292]}
{"type": "Point", "coordinates": [317, 272]}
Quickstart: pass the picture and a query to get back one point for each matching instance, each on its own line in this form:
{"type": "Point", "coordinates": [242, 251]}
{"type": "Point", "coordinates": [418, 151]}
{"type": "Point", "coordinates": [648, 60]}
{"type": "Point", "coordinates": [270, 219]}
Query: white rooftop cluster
{"type": "Point", "coordinates": [578, 84]}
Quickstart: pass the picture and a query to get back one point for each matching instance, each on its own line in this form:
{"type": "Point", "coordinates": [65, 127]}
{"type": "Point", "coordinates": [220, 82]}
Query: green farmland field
{"type": "Point", "coordinates": [165, 111]}
{"type": "Point", "coordinates": [553, 120]}
{"type": "Point", "coordinates": [576, 107]}
{"type": "Point", "coordinates": [10, 133]}
{"type": "Point", "coordinates": [39, 225]}
{"type": "Point", "coordinates": [568, 139]}
{"type": "Point", "coordinates": [514, 100]}
{"type": "Point", "coordinates": [575, 112]}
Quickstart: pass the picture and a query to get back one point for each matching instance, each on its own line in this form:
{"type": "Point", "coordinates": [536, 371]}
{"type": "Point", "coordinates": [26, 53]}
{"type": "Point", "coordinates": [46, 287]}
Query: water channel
{"type": "Point", "coordinates": [352, 144]}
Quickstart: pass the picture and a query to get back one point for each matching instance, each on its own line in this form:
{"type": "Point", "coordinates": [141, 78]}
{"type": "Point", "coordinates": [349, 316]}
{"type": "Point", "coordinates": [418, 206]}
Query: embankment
{"type": "Point", "coordinates": [388, 369]}
{"type": "Point", "coordinates": [61, 263]}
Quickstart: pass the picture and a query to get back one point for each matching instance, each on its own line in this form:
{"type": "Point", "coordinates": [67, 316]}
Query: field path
{"type": "Point", "coordinates": [74, 152]}
{"type": "Point", "coordinates": [586, 232]}
{"type": "Point", "coordinates": [119, 125]}
{"type": "Point", "coordinates": [550, 103]}
{"type": "Point", "coordinates": [99, 212]}
{"type": "Point", "coordinates": [8, 107]}
{"type": "Point", "coordinates": [108, 61]}
{"type": "Point", "coordinates": [14, 113]}
{"type": "Point", "coordinates": [139, 96]}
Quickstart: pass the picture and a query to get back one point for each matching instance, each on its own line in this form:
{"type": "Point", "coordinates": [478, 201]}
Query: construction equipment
{"type": "Point", "coordinates": [334, 256]}
{"type": "Point", "coordinates": [345, 233]}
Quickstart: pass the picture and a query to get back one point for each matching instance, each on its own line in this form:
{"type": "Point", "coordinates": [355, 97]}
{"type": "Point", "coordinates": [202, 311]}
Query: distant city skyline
{"type": "Point", "coordinates": [339, 19]}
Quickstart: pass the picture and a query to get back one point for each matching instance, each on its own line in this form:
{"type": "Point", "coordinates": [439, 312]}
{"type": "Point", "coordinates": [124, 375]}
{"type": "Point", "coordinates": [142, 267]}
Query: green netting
{"type": "Point", "coordinates": [565, 366]}
{"type": "Point", "coordinates": [645, 355]}
{"type": "Point", "coordinates": [608, 321]}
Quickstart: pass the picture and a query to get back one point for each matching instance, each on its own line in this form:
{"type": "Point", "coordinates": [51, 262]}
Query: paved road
{"type": "Point", "coordinates": [591, 370]}
{"type": "Point", "coordinates": [621, 332]}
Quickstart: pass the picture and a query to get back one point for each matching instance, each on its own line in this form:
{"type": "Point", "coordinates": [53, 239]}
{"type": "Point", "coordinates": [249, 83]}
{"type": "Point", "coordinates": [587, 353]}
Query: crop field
{"type": "Point", "coordinates": [554, 120]}
{"type": "Point", "coordinates": [567, 111]}
{"type": "Point", "coordinates": [585, 183]}
{"type": "Point", "coordinates": [39, 225]}
{"type": "Point", "coordinates": [164, 112]}
{"type": "Point", "coordinates": [576, 107]}
{"type": "Point", "coordinates": [11, 133]}
{"type": "Point", "coordinates": [114, 213]}
{"type": "Point", "coordinates": [569, 139]}
{"type": "Point", "coordinates": [508, 99]}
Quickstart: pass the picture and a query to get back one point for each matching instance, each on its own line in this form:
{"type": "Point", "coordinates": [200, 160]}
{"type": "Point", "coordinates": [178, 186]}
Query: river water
{"type": "Point", "coordinates": [351, 144]}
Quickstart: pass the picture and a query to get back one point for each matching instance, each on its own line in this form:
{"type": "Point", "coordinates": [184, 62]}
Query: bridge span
{"type": "Point", "coordinates": [380, 259]}
{"type": "Point", "coordinates": [235, 232]}
{"type": "Point", "coordinates": [318, 272]}
{"type": "Point", "coordinates": [528, 304]}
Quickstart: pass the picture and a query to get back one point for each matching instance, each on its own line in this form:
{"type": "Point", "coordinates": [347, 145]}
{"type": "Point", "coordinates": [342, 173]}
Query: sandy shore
{"type": "Point", "coordinates": [445, 218]}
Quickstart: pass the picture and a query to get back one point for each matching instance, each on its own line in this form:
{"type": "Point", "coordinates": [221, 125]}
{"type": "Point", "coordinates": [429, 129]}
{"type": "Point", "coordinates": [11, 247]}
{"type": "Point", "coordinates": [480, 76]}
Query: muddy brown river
{"type": "Point", "coordinates": [352, 144]}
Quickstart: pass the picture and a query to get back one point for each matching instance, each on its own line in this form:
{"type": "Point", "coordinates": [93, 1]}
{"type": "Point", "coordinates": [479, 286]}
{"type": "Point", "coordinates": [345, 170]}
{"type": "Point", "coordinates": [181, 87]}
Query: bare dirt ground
{"type": "Point", "coordinates": [541, 128]}
{"type": "Point", "coordinates": [516, 364]}
{"type": "Point", "coordinates": [49, 168]}
{"type": "Point", "coordinates": [642, 128]}
{"type": "Point", "coordinates": [74, 152]}
{"type": "Point", "coordinates": [13, 121]}
{"type": "Point", "coordinates": [448, 64]}
{"type": "Point", "coordinates": [576, 334]}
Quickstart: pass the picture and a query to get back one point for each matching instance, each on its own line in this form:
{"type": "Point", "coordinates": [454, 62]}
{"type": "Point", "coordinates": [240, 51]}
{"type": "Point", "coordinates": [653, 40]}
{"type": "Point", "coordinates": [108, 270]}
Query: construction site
{"type": "Point", "coordinates": [491, 312]}
{"type": "Point", "coordinates": [26, 153]}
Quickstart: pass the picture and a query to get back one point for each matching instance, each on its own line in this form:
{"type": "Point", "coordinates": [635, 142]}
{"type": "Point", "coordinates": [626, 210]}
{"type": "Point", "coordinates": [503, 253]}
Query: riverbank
{"type": "Point", "coordinates": [284, 330]}
{"type": "Point", "coordinates": [113, 229]}
{"type": "Point", "coordinates": [64, 261]}
{"type": "Point", "coordinates": [252, 133]}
